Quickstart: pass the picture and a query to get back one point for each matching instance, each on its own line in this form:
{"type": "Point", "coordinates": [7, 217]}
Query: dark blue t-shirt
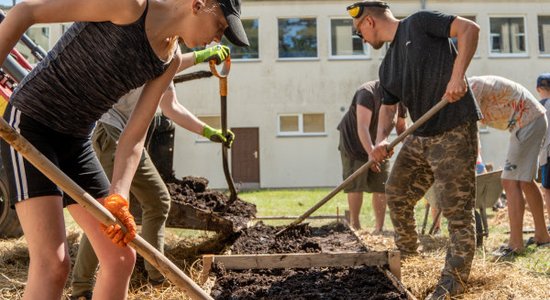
{"type": "Point", "coordinates": [417, 68]}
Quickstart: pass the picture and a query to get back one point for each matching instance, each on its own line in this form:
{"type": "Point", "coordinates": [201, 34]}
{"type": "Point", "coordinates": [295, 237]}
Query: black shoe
{"type": "Point", "coordinates": [157, 282]}
{"type": "Point", "coordinates": [84, 296]}
{"type": "Point", "coordinates": [504, 252]}
{"type": "Point", "coordinates": [532, 241]}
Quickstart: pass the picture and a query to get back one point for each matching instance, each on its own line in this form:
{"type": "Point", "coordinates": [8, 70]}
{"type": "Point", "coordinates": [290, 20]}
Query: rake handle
{"type": "Point", "coordinates": [430, 113]}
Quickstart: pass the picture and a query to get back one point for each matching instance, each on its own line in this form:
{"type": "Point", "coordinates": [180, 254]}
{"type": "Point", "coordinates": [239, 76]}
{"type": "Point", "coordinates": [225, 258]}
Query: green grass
{"type": "Point", "coordinates": [295, 202]}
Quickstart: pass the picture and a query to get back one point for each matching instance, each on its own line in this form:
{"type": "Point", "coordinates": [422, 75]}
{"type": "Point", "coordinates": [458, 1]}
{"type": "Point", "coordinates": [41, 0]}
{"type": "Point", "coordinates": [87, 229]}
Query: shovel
{"type": "Point", "coordinates": [152, 255]}
{"type": "Point", "coordinates": [430, 113]}
{"type": "Point", "coordinates": [223, 97]}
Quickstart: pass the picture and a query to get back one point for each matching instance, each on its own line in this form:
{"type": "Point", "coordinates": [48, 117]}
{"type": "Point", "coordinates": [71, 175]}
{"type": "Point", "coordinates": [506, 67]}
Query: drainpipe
{"type": "Point", "coordinates": [423, 4]}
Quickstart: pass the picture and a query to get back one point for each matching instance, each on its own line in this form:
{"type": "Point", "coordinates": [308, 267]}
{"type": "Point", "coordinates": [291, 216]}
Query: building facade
{"type": "Point", "coordinates": [289, 90]}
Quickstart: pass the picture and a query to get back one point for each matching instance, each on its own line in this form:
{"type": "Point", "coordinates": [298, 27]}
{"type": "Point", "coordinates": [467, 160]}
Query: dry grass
{"type": "Point", "coordinates": [528, 277]}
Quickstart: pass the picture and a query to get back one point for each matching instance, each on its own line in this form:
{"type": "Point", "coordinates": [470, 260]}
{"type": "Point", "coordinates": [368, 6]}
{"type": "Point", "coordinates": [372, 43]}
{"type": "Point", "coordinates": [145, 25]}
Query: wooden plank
{"type": "Point", "coordinates": [394, 262]}
{"type": "Point", "coordinates": [300, 260]}
{"type": "Point", "coordinates": [320, 217]}
{"type": "Point", "coordinates": [206, 267]}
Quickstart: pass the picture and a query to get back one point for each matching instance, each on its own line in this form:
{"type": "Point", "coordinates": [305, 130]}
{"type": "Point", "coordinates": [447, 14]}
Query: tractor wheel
{"type": "Point", "coordinates": [9, 223]}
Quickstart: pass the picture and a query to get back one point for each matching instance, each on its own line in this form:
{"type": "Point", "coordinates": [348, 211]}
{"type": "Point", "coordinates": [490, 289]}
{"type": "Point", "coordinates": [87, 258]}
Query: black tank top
{"type": "Point", "coordinates": [87, 71]}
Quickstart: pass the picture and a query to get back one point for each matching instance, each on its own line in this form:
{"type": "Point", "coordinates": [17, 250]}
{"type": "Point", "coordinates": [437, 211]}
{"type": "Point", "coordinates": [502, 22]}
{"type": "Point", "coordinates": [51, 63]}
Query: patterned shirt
{"type": "Point", "coordinates": [505, 104]}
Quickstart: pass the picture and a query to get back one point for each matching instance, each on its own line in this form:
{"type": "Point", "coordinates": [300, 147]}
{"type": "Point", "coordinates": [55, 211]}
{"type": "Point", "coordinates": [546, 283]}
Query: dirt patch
{"type": "Point", "coordinates": [315, 283]}
{"type": "Point", "coordinates": [261, 239]}
{"type": "Point", "coordinates": [193, 191]}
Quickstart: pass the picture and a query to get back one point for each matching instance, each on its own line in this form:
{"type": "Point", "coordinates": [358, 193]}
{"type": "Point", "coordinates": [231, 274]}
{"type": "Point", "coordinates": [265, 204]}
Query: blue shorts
{"type": "Point", "coordinates": [545, 176]}
{"type": "Point", "coordinates": [74, 156]}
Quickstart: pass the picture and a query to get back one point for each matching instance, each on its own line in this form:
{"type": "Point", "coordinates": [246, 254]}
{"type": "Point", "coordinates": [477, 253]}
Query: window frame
{"type": "Point", "coordinates": [366, 56]}
{"type": "Point", "coordinates": [316, 58]}
{"type": "Point", "coordinates": [259, 42]}
{"type": "Point", "coordinates": [540, 54]}
{"type": "Point", "coordinates": [492, 54]}
{"type": "Point", "coordinates": [300, 132]}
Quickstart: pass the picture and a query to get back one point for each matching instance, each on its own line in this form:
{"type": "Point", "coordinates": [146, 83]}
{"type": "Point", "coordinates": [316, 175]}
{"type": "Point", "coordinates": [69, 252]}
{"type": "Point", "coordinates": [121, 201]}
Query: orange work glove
{"type": "Point", "coordinates": [118, 206]}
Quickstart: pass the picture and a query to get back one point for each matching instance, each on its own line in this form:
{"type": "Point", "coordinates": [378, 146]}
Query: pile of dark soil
{"type": "Point", "coordinates": [261, 239]}
{"type": "Point", "coordinates": [359, 282]}
{"type": "Point", "coordinates": [315, 283]}
{"type": "Point", "coordinates": [193, 191]}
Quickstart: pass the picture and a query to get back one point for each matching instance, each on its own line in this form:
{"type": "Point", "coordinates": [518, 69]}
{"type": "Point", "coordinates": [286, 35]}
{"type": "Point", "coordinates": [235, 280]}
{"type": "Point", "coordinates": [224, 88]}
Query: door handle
{"type": "Point", "coordinates": [255, 154]}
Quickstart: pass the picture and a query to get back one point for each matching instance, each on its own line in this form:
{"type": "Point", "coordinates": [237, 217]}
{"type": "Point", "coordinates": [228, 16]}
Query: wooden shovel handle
{"type": "Point", "coordinates": [152, 255]}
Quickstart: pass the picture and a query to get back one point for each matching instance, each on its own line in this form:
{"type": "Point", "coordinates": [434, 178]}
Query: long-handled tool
{"type": "Point", "coordinates": [223, 98]}
{"type": "Point", "coordinates": [152, 255]}
{"type": "Point", "coordinates": [436, 108]}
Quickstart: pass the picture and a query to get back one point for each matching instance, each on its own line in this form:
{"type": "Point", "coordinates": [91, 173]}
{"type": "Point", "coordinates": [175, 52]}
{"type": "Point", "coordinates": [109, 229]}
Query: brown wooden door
{"type": "Point", "coordinates": [245, 157]}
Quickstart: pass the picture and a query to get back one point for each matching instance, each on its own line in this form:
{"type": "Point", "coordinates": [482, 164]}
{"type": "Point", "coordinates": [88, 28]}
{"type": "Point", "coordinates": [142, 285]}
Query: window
{"type": "Point", "coordinates": [298, 38]}
{"type": "Point", "coordinates": [343, 43]}
{"type": "Point", "coordinates": [544, 35]}
{"type": "Point", "coordinates": [212, 121]}
{"type": "Point", "coordinates": [41, 36]}
{"type": "Point", "coordinates": [251, 52]}
{"type": "Point", "coordinates": [302, 124]}
{"type": "Point", "coordinates": [507, 36]}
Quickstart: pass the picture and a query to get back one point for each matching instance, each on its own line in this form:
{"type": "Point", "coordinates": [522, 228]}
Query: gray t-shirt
{"type": "Point", "coordinates": [417, 68]}
{"type": "Point", "coordinates": [118, 115]}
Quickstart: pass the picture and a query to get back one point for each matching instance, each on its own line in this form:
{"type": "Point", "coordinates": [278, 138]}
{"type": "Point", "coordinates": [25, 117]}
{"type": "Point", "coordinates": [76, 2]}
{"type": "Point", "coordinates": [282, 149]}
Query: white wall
{"type": "Point", "coordinates": [259, 90]}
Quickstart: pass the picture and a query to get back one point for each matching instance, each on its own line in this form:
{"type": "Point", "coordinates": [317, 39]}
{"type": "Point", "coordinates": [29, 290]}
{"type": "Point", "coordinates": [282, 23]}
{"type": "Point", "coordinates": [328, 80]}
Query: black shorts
{"type": "Point", "coordinates": [74, 156]}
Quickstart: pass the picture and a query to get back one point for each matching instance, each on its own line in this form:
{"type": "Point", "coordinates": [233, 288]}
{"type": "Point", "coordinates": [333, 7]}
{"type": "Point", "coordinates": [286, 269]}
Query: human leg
{"type": "Point", "coordinates": [355, 201]}
{"type": "Point", "coordinates": [84, 268]}
{"type": "Point", "coordinates": [408, 181]}
{"type": "Point", "coordinates": [452, 156]}
{"type": "Point", "coordinates": [516, 209]}
{"type": "Point", "coordinates": [354, 189]}
{"type": "Point", "coordinates": [376, 184]}
{"type": "Point", "coordinates": [518, 177]}
{"type": "Point", "coordinates": [116, 263]}
{"type": "Point", "coordinates": [44, 227]}
{"type": "Point", "coordinates": [154, 198]}
{"type": "Point", "coordinates": [533, 197]}
{"type": "Point", "coordinates": [379, 207]}
{"type": "Point", "coordinates": [86, 262]}
{"type": "Point", "coordinates": [545, 172]}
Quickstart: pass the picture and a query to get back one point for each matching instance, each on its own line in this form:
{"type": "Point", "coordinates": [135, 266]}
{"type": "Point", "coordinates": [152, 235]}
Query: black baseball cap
{"type": "Point", "coordinates": [235, 32]}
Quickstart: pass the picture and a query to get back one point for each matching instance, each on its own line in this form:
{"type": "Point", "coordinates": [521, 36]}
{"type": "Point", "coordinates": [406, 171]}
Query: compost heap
{"type": "Point", "coordinates": [193, 191]}
{"type": "Point", "coordinates": [359, 282]}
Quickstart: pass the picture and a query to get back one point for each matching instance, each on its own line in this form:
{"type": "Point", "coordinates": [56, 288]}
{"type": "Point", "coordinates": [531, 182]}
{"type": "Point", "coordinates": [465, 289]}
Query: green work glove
{"type": "Point", "coordinates": [218, 53]}
{"type": "Point", "coordinates": [215, 135]}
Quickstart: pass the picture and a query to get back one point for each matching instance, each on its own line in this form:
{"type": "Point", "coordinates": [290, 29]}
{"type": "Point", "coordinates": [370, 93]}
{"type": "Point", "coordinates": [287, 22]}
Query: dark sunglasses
{"type": "Point", "coordinates": [356, 9]}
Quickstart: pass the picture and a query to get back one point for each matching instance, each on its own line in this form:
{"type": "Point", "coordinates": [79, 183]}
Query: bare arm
{"type": "Point", "coordinates": [130, 146]}
{"type": "Point", "coordinates": [364, 116]}
{"type": "Point", "coordinates": [467, 34]}
{"type": "Point", "coordinates": [26, 13]}
{"type": "Point", "coordinates": [400, 125]}
{"type": "Point", "coordinates": [386, 122]}
{"type": "Point", "coordinates": [178, 113]}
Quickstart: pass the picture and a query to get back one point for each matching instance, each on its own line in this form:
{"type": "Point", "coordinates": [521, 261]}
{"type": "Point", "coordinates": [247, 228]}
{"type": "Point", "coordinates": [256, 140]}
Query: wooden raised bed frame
{"type": "Point", "coordinates": [392, 259]}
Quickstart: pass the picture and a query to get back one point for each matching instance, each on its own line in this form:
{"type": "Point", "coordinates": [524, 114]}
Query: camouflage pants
{"type": "Point", "coordinates": [448, 162]}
